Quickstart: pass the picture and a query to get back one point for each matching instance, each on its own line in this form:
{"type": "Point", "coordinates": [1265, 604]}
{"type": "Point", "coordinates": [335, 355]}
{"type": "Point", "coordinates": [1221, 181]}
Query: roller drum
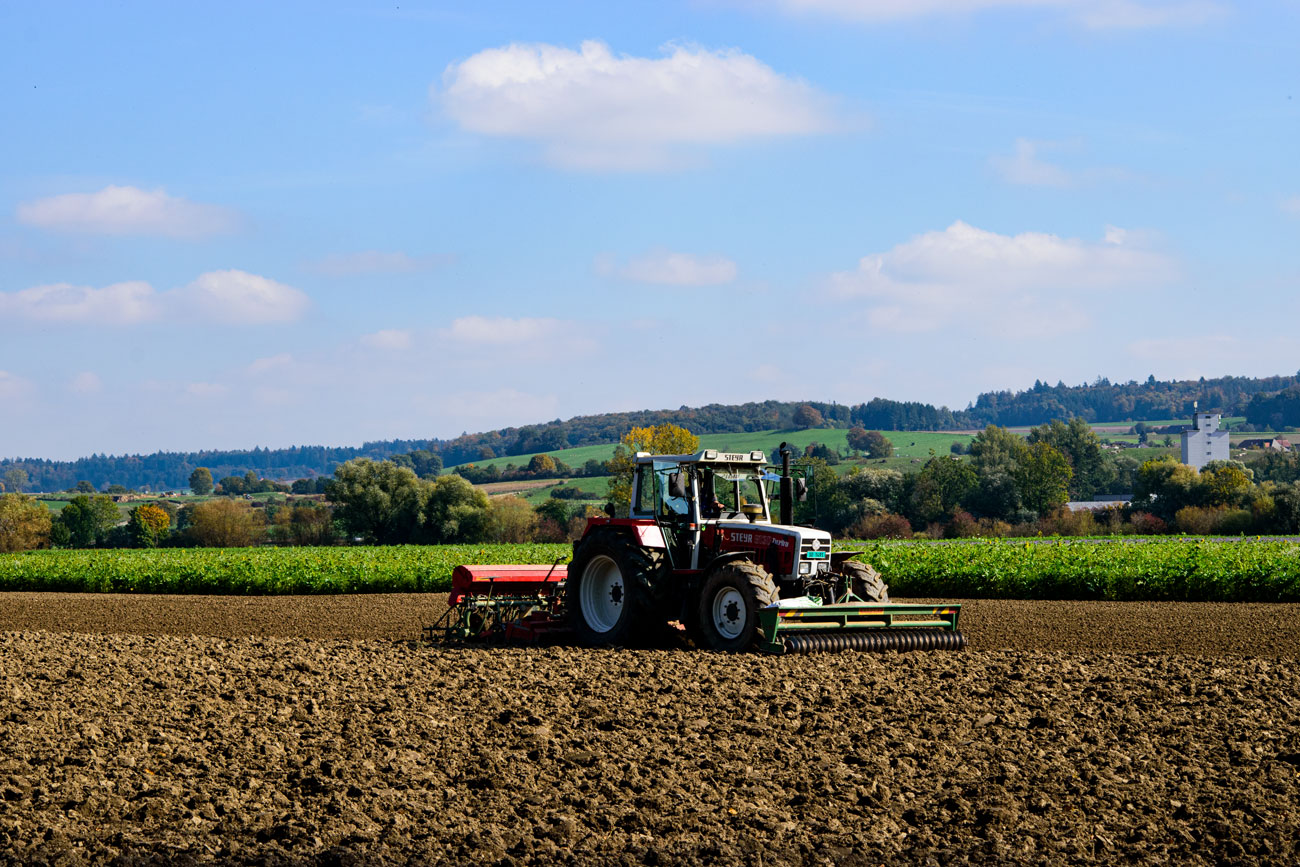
{"type": "Point", "coordinates": [877, 641]}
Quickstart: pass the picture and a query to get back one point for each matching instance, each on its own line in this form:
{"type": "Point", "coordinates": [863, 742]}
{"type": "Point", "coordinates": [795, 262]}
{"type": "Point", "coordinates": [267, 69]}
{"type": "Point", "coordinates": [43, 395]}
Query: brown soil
{"type": "Point", "coordinates": [173, 729]}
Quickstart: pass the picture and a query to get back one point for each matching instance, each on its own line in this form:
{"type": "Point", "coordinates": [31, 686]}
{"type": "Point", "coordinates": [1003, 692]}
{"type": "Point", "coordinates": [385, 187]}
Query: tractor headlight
{"type": "Point", "coordinates": [805, 568]}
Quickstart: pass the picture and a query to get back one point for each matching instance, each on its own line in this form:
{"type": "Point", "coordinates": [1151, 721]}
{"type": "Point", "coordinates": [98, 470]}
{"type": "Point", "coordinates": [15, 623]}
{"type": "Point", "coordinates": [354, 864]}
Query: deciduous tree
{"type": "Point", "coordinates": [201, 481]}
{"type": "Point", "coordinates": [225, 524]}
{"type": "Point", "coordinates": [148, 525]}
{"type": "Point", "coordinates": [663, 439]}
{"type": "Point", "coordinates": [378, 500]}
{"type": "Point", "coordinates": [24, 523]}
{"type": "Point", "coordinates": [456, 511]}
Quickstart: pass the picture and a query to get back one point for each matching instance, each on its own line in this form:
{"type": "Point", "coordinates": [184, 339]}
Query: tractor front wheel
{"type": "Point", "coordinates": [727, 613]}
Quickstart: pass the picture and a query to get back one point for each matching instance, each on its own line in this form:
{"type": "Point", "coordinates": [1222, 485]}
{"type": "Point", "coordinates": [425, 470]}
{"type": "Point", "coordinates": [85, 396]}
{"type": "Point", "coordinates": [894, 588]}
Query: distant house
{"type": "Point", "coordinates": [1103, 501]}
{"type": "Point", "coordinates": [1277, 444]}
{"type": "Point", "coordinates": [1204, 442]}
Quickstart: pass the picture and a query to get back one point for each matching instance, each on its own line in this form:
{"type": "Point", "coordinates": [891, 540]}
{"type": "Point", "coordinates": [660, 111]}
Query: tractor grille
{"type": "Point", "coordinates": [819, 548]}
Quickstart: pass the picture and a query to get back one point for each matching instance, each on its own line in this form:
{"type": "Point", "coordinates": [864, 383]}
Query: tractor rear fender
{"type": "Point", "coordinates": [838, 558]}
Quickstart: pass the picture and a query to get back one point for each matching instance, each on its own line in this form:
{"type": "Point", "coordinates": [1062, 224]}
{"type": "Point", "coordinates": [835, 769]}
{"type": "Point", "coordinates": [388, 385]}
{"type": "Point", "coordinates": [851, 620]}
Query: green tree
{"type": "Point", "coordinates": [15, 479]}
{"type": "Point", "coordinates": [24, 523]}
{"type": "Point", "coordinates": [996, 449]}
{"type": "Point", "coordinates": [1163, 486]}
{"type": "Point", "coordinates": [378, 501]}
{"type": "Point", "coordinates": [1043, 477]}
{"type": "Point", "coordinates": [663, 439]}
{"type": "Point", "coordinates": [148, 525]}
{"type": "Point", "coordinates": [89, 520]}
{"type": "Point", "coordinates": [554, 509]}
{"type": "Point", "coordinates": [941, 487]}
{"type": "Point", "coordinates": [84, 487]}
{"type": "Point", "coordinates": [201, 481]}
{"type": "Point", "coordinates": [1093, 473]}
{"type": "Point", "coordinates": [456, 511]}
{"type": "Point", "coordinates": [425, 463]}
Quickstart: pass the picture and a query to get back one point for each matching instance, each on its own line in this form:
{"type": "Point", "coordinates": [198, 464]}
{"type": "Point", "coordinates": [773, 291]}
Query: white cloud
{"type": "Point", "coordinates": [270, 364]}
{"type": "Point", "coordinates": [393, 338]}
{"type": "Point", "coordinates": [501, 329]}
{"type": "Point", "coordinates": [1093, 14]}
{"type": "Point", "coordinates": [239, 298]}
{"type": "Point", "coordinates": [126, 211]}
{"type": "Point", "coordinates": [1291, 205]}
{"type": "Point", "coordinates": [593, 110]}
{"type": "Point", "coordinates": [1025, 167]}
{"type": "Point", "coordinates": [234, 297]}
{"type": "Point", "coordinates": [118, 304]}
{"type": "Point", "coordinates": [1032, 284]}
{"type": "Point", "coordinates": [671, 269]}
{"type": "Point", "coordinates": [375, 262]}
{"type": "Point", "coordinates": [87, 382]}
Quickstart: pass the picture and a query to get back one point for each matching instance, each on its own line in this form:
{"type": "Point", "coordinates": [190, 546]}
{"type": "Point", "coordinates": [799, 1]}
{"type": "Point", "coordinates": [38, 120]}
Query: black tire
{"type": "Point", "coordinates": [604, 592]}
{"type": "Point", "coordinates": [726, 615]}
{"type": "Point", "coordinates": [865, 582]}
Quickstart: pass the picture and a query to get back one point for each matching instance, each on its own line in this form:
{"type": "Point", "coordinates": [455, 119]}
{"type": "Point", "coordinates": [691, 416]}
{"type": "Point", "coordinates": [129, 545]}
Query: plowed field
{"type": "Point", "coordinates": [317, 730]}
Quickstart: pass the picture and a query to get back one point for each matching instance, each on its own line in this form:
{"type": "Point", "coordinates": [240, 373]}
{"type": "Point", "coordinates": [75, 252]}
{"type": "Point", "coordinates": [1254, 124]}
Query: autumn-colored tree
{"type": "Point", "coordinates": [225, 524]}
{"type": "Point", "coordinates": [806, 416]}
{"type": "Point", "coordinates": [511, 519]}
{"type": "Point", "coordinates": [24, 523]}
{"type": "Point", "coordinates": [148, 525]}
{"type": "Point", "coordinates": [541, 464]}
{"type": "Point", "coordinates": [662, 439]}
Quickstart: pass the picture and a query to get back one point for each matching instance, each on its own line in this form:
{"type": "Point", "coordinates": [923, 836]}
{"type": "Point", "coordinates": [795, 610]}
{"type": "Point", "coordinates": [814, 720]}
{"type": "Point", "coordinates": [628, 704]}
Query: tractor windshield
{"type": "Point", "coordinates": [724, 490]}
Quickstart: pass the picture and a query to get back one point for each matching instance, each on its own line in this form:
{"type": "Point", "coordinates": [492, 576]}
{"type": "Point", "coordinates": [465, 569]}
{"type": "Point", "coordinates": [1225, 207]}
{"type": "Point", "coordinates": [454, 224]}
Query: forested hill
{"type": "Point", "coordinates": [1102, 400]}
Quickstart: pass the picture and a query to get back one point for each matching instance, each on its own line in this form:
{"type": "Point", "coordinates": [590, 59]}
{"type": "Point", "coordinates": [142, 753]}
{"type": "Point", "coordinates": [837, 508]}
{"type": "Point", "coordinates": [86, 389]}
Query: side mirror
{"type": "Point", "coordinates": [801, 490]}
{"type": "Point", "coordinates": [676, 488]}
{"type": "Point", "coordinates": [609, 509]}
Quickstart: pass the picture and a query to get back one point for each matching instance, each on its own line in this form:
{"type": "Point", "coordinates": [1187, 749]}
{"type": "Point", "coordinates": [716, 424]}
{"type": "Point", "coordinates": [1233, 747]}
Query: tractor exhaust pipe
{"type": "Point", "coordinates": [787, 488]}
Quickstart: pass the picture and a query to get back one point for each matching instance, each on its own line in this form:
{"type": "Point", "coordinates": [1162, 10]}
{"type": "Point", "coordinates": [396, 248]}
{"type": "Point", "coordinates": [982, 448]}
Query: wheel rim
{"type": "Point", "coordinates": [602, 594]}
{"type": "Point", "coordinates": [730, 614]}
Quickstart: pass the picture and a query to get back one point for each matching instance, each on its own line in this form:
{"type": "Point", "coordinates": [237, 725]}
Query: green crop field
{"type": "Point", "coordinates": [1185, 569]}
{"type": "Point", "coordinates": [1150, 569]}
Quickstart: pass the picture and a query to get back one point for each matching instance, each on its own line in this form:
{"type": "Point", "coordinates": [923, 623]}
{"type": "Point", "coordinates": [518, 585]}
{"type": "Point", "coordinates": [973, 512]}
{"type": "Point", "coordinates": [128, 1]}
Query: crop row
{"type": "Point", "coordinates": [259, 571]}
{"type": "Point", "coordinates": [1191, 570]}
{"type": "Point", "coordinates": [1243, 571]}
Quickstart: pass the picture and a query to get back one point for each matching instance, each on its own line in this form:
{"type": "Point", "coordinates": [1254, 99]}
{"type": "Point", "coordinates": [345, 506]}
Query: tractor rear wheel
{"type": "Point", "coordinates": [865, 582]}
{"type": "Point", "coordinates": [726, 617]}
{"type": "Point", "coordinates": [604, 591]}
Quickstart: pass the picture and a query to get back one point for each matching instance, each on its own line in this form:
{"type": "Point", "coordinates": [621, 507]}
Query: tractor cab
{"type": "Point", "coordinates": [715, 504]}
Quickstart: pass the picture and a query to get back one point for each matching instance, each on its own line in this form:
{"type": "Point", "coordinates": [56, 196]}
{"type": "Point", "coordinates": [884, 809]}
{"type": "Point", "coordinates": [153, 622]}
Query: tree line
{"type": "Point", "coordinates": [1272, 402]}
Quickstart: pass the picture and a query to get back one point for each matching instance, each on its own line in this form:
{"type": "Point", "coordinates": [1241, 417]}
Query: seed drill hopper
{"type": "Point", "coordinates": [698, 550]}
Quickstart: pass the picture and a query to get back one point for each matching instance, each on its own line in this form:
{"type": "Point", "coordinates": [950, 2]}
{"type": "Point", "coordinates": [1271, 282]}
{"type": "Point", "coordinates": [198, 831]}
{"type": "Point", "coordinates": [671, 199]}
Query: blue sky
{"type": "Point", "coordinates": [243, 224]}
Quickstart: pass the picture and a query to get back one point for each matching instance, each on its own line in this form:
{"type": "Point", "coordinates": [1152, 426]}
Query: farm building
{"type": "Point", "coordinates": [1204, 442]}
{"type": "Point", "coordinates": [1277, 444]}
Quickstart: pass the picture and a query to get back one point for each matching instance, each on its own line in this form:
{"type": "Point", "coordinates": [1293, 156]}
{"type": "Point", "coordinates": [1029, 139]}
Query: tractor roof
{"type": "Point", "coordinates": [707, 456]}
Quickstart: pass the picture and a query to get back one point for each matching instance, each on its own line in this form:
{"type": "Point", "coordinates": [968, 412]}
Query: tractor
{"type": "Point", "coordinates": [698, 549]}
